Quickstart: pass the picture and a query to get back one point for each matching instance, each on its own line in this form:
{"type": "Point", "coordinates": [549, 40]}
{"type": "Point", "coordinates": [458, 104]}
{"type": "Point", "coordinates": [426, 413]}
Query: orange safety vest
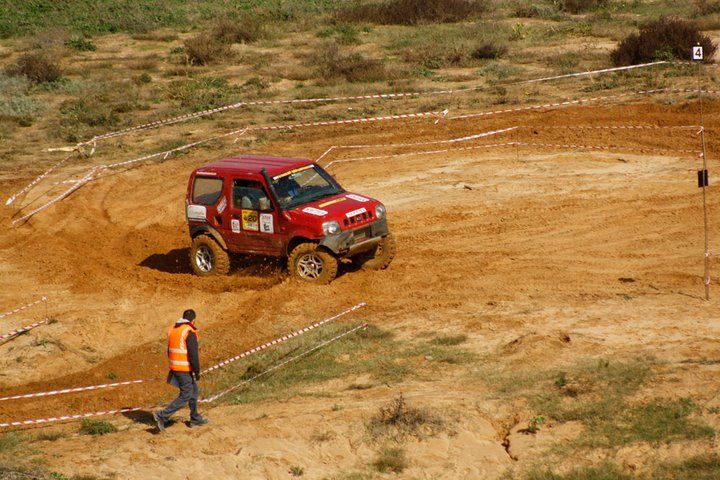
{"type": "Point", "coordinates": [177, 347]}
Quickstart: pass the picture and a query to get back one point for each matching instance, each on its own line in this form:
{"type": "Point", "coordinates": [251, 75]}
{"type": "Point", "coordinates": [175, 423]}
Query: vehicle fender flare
{"type": "Point", "coordinates": [208, 230]}
{"type": "Point", "coordinates": [297, 239]}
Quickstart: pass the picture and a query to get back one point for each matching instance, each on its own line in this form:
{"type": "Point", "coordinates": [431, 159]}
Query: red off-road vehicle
{"type": "Point", "coordinates": [282, 207]}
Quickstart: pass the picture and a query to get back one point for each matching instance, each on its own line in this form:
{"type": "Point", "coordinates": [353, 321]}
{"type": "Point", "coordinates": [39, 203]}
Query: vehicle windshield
{"type": "Point", "coordinates": [303, 185]}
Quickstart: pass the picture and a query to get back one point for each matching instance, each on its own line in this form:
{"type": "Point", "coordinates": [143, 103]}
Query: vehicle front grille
{"type": "Point", "coordinates": [358, 219]}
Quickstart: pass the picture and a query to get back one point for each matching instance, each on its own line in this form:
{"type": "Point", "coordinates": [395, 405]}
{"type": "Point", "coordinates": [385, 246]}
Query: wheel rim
{"type": "Point", "coordinates": [204, 259]}
{"type": "Point", "coordinates": [310, 266]}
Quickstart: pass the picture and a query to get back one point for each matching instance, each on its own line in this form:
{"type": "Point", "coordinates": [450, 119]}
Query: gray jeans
{"type": "Point", "coordinates": [189, 393]}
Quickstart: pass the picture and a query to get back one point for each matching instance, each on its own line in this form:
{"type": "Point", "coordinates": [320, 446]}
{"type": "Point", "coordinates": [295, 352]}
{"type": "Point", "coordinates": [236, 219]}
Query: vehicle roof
{"type": "Point", "coordinates": [252, 164]}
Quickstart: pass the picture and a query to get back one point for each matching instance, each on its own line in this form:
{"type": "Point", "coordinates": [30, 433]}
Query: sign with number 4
{"type": "Point", "coordinates": [697, 53]}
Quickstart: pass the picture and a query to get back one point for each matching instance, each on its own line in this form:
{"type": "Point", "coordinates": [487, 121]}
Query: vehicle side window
{"type": "Point", "coordinates": [250, 195]}
{"type": "Point", "coordinates": [206, 191]}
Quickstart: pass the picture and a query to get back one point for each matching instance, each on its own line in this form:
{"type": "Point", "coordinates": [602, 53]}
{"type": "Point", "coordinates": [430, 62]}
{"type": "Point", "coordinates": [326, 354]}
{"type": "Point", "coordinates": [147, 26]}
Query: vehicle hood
{"type": "Point", "coordinates": [338, 207]}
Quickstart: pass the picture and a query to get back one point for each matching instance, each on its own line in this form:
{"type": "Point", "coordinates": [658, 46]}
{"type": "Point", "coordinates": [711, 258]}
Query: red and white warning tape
{"type": "Point", "coordinates": [605, 147]}
{"type": "Point", "coordinates": [38, 179]}
{"type": "Point", "coordinates": [76, 389]}
{"type": "Point", "coordinates": [427, 152]}
{"type": "Point", "coordinates": [429, 142]}
{"type": "Point", "coordinates": [280, 365]}
{"type": "Point", "coordinates": [65, 418]}
{"type": "Point", "coordinates": [611, 127]}
{"type": "Point", "coordinates": [283, 338]}
{"type": "Point", "coordinates": [570, 103]}
{"type": "Point", "coordinates": [80, 416]}
{"type": "Point", "coordinates": [87, 178]}
{"type": "Point", "coordinates": [373, 96]}
{"type": "Point", "coordinates": [24, 329]}
{"type": "Point", "coordinates": [214, 367]}
{"type": "Point", "coordinates": [24, 307]}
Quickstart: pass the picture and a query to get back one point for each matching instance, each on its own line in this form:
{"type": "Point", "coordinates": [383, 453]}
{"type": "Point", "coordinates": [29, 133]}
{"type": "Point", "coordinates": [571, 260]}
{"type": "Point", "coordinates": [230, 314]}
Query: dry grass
{"type": "Point", "coordinates": [246, 29]}
{"type": "Point", "coordinates": [204, 49]}
{"type": "Point", "coordinates": [332, 64]}
{"type": "Point", "coordinates": [398, 420]}
{"type": "Point", "coordinates": [414, 12]}
{"type": "Point", "coordinates": [38, 67]}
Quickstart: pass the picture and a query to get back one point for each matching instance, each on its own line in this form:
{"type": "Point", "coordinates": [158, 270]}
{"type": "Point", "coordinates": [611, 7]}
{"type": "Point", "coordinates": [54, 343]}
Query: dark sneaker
{"type": "Point", "coordinates": [160, 421]}
{"type": "Point", "coordinates": [198, 423]}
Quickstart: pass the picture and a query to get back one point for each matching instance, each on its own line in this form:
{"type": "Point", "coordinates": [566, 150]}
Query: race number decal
{"type": "Point", "coordinates": [266, 223]}
{"type": "Point", "coordinates": [250, 220]}
{"type": "Point", "coordinates": [315, 211]}
{"type": "Point", "coordinates": [357, 198]}
{"type": "Point", "coordinates": [235, 225]}
{"type": "Point", "coordinates": [221, 206]}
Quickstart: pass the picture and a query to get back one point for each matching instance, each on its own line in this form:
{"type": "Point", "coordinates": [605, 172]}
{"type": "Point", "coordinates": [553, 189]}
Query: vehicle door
{"type": "Point", "coordinates": [207, 202]}
{"type": "Point", "coordinates": [253, 219]}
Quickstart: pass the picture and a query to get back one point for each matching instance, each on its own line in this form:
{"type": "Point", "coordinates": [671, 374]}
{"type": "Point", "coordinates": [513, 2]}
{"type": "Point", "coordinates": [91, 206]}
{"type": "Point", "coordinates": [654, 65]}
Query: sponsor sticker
{"type": "Point", "coordinates": [250, 220]}
{"type": "Point", "coordinates": [221, 206]}
{"type": "Point", "coordinates": [332, 202]}
{"type": "Point", "coordinates": [356, 212]}
{"type": "Point", "coordinates": [315, 211]}
{"type": "Point", "coordinates": [235, 225]}
{"type": "Point", "coordinates": [197, 213]}
{"type": "Point", "coordinates": [357, 198]}
{"type": "Point", "coordinates": [266, 223]}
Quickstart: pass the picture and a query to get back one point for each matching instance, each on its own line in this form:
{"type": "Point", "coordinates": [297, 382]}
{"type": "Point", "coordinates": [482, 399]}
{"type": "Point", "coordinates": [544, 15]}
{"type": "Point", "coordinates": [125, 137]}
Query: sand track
{"type": "Point", "coordinates": [501, 243]}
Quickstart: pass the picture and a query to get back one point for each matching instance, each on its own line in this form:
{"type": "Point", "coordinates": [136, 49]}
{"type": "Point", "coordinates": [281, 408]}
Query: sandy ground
{"type": "Point", "coordinates": [513, 246]}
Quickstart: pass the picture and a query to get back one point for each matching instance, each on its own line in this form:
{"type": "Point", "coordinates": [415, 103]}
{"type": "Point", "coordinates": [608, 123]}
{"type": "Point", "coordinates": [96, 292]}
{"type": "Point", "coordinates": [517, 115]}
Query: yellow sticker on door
{"type": "Point", "coordinates": [250, 220]}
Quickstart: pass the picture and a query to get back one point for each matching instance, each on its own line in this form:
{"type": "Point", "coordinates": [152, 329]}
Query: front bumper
{"type": "Point", "coordinates": [358, 240]}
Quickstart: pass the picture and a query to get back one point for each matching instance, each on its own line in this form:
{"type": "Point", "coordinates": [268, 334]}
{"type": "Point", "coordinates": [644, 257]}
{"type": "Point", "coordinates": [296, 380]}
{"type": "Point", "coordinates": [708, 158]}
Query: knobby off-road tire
{"type": "Point", "coordinates": [309, 263]}
{"type": "Point", "coordinates": [208, 258]}
{"type": "Point", "coordinates": [380, 257]}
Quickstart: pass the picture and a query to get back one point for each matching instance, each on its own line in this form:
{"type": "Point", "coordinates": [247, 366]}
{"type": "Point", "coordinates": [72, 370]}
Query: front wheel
{"type": "Point", "coordinates": [379, 258]}
{"type": "Point", "coordinates": [310, 263]}
{"type": "Point", "coordinates": [208, 258]}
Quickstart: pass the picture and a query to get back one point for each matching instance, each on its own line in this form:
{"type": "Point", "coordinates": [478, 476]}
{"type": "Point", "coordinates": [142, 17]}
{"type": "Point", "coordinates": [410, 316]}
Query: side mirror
{"type": "Point", "coordinates": [264, 204]}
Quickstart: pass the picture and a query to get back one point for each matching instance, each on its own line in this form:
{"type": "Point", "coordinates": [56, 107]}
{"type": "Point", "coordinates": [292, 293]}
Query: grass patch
{"type": "Point", "coordinates": [414, 12]}
{"type": "Point", "coordinates": [701, 467]}
{"type": "Point", "coordinates": [449, 340]}
{"type": "Point", "coordinates": [372, 351]}
{"type": "Point", "coordinates": [605, 471]}
{"type": "Point", "coordinates": [9, 441]}
{"type": "Point", "coordinates": [332, 64]}
{"type": "Point", "coordinates": [38, 67]}
{"type": "Point", "coordinates": [204, 49]}
{"type": "Point", "coordinates": [96, 427]}
{"type": "Point", "coordinates": [390, 460]}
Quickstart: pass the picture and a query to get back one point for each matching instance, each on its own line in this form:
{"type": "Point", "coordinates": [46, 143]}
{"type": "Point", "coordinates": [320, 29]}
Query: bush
{"type": "Point", "coordinates": [489, 50]}
{"type": "Point", "coordinates": [246, 29]}
{"type": "Point", "coordinates": [37, 67]}
{"type": "Point", "coordinates": [204, 49]}
{"type": "Point", "coordinates": [579, 6]}
{"type": "Point", "coordinates": [524, 10]}
{"type": "Point", "coordinates": [96, 427]}
{"type": "Point", "coordinates": [332, 64]}
{"type": "Point", "coordinates": [665, 38]}
{"type": "Point", "coordinates": [390, 460]}
{"type": "Point", "coordinates": [81, 44]}
{"type": "Point", "coordinates": [414, 12]}
{"type": "Point", "coordinates": [706, 7]}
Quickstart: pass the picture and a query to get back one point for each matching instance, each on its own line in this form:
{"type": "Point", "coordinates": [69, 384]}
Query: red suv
{"type": "Point", "coordinates": [282, 207]}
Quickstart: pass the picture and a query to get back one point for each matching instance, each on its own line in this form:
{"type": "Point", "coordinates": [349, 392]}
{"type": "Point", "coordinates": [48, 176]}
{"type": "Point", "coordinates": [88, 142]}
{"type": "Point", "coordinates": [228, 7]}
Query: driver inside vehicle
{"type": "Point", "coordinates": [287, 188]}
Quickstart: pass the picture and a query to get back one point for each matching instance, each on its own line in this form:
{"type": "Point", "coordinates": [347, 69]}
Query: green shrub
{"type": "Point", "coordinates": [81, 44]}
{"type": "Point", "coordinates": [204, 49]}
{"type": "Point", "coordinates": [331, 64]}
{"type": "Point", "coordinates": [37, 67]}
{"type": "Point", "coordinates": [96, 427]}
{"type": "Point", "coordinates": [414, 12]}
{"type": "Point", "coordinates": [245, 29]}
{"type": "Point", "coordinates": [579, 6]}
{"type": "Point", "coordinates": [665, 38]}
{"type": "Point", "coordinates": [390, 460]}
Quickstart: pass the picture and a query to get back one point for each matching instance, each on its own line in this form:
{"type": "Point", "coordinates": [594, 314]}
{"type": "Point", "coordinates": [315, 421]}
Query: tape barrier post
{"type": "Point", "coordinates": [280, 365]}
{"type": "Point", "coordinates": [214, 367]}
{"type": "Point", "coordinates": [24, 307]}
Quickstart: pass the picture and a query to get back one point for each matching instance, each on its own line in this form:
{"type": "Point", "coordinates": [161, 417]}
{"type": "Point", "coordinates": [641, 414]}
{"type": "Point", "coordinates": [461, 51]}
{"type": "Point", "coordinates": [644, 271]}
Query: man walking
{"type": "Point", "coordinates": [184, 370]}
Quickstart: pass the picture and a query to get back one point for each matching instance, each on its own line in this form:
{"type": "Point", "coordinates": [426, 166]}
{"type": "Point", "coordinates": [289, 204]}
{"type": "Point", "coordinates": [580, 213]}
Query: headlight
{"type": "Point", "coordinates": [331, 228]}
{"type": "Point", "coordinates": [380, 210]}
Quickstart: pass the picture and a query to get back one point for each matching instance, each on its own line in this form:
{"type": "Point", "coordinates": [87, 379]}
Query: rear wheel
{"type": "Point", "coordinates": [380, 257]}
{"type": "Point", "coordinates": [208, 258]}
{"type": "Point", "coordinates": [310, 263]}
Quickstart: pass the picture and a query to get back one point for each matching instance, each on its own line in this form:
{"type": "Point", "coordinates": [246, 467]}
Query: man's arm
{"type": "Point", "coordinates": [193, 353]}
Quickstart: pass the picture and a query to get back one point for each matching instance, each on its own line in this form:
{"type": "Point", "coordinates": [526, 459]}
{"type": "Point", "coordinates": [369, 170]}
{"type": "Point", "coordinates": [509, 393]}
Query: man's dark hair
{"type": "Point", "coordinates": [189, 315]}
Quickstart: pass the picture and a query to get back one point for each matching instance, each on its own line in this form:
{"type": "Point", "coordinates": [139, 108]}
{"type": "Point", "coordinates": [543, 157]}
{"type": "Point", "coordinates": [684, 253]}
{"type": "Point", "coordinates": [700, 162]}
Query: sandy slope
{"type": "Point", "coordinates": [522, 249]}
